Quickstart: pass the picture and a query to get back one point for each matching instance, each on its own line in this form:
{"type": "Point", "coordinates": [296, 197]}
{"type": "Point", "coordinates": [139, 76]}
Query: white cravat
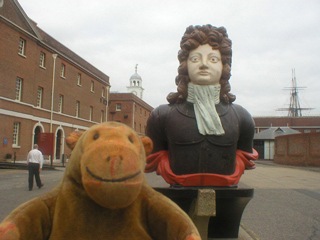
{"type": "Point", "coordinates": [204, 99]}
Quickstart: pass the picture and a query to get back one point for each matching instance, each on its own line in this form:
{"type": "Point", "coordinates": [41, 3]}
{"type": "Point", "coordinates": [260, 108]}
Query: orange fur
{"type": "Point", "coordinates": [103, 195]}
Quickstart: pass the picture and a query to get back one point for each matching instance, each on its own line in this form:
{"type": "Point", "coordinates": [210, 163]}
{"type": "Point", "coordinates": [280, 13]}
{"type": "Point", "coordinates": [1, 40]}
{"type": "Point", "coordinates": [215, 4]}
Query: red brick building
{"type": "Point", "coordinates": [302, 124]}
{"type": "Point", "coordinates": [44, 86]}
{"type": "Point", "coordinates": [129, 109]}
{"type": "Point", "coordinates": [298, 149]}
{"type": "Point", "coordinates": [268, 128]}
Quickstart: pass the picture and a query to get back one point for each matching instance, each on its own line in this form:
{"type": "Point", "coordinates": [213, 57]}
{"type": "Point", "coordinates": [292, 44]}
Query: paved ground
{"type": "Point", "coordinates": [286, 204]}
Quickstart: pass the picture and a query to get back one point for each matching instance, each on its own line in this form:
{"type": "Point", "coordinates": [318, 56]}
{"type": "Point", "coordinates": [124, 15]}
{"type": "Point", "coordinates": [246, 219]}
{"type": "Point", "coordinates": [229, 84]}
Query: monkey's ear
{"type": "Point", "coordinates": [73, 139]}
{"type": "Point", "coordinates": [148, 144]}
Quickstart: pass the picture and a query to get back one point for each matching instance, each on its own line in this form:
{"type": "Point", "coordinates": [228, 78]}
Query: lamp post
{"type": "Point", "coordinates": [52, 89]}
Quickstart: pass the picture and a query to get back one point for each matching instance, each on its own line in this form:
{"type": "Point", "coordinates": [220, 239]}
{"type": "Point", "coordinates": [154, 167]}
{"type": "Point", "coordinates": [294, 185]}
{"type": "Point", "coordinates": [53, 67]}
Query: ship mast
{"type": "Point", "coordinates": [294, 109]}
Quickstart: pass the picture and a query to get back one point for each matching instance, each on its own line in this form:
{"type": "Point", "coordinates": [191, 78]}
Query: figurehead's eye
{"type": "Point", "coordinates": [130, 139]}
{"type": "Point", "coordinates": [194, 59]}
{"type": "Point", "coordinates": [96, 136]}
{"type": "Point", "coordinates": [214, 59]}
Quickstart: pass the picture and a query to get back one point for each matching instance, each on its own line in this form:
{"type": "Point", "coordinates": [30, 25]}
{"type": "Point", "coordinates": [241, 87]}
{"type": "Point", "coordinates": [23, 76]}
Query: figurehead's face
{"type": "Point", "coordinates": [204, 65]}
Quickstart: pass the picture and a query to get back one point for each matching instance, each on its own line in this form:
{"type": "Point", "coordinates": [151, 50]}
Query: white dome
{"type": "Point", "coordinates": [135, 76]}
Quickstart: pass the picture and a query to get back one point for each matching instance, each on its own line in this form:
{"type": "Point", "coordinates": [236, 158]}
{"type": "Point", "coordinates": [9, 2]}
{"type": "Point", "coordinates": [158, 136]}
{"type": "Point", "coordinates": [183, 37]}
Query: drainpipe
{"type": "Point", "coordinates": [133, 113]}
{"type": "Point", "coordinates": [52, 89]}
{"type": "Point", "coordinates": [107, 106]}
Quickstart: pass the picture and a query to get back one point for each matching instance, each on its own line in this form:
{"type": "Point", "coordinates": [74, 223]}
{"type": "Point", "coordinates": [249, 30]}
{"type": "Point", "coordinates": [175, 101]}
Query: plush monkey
{"type": "Point", "coordinates": [103, 195]}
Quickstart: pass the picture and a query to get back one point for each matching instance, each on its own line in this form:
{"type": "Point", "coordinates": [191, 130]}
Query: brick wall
{"type": "Point", "coordinates": [134, 111]}
{"type": "Point", "coordinates": [298, 149]}
{"type": "Point", "coordinates": [25, 112]}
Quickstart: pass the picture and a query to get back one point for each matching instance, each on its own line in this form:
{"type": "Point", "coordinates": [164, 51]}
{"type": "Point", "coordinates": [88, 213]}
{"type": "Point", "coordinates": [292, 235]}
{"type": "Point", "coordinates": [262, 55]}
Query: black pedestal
{"type": "Point", "coordinates": [230, 204]}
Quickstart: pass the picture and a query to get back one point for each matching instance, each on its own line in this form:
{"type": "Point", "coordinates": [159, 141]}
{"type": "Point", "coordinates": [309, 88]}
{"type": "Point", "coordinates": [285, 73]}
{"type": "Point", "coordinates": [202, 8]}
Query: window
{"type": "Point", "coordinates": [63, 71]}
{"type": "Point", "coordinates": [42, 59]}
{"type": "Point", "coordinates": [92, 86]}
{"type": "Point", "coordinates": [77, 108]}
{"type": "Point", "coordinates": [16, 131]}
{"type": "Point", "coordinates": [102, 116]}
{"type": "Point", "coordinates": [22, 47]}
{"type": "Point", "coordinates": [118, 107]}
{"type": "Point", "coordinates": [60, 103]}
{"type": "Point", "coordinates": [39, 97]}
{"type": "Point", "coordinates": [91, 113]}
{"type": "Point", "coordinates": [18, 88]}
{"type": "Point", "coordinates": [79, 79]}
{"type": "Point", "coordinates": [103, 92]}
{"type": "Point", "coordinates": [306, 130]}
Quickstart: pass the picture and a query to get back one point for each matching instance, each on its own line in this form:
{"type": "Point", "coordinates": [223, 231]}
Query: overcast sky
{"type": "Point", "coordinates": [270, 38]}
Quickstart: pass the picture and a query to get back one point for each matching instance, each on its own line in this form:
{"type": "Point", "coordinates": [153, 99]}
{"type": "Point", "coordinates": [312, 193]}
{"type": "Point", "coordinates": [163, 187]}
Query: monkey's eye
{"type": "Point", "coordinates": [96, 136]}
{"type": "Point", "coordinates": [130, 139]}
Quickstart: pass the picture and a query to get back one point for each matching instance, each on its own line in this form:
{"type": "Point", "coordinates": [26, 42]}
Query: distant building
{"type": "Point", "coordinates": [129, 108]}
{"type": "Point", "coordinates": [302, 124]}
{"type": "Point", "coordinates": [298, 149]}
{"type": "Point", "coordinates": [45, 87]}
{"type": "Point", "coordinates": [267, 128]}
{"type": "Point", "coordinates": [136, 84]}
{"type": "Point", "coordinates": [264, 141]}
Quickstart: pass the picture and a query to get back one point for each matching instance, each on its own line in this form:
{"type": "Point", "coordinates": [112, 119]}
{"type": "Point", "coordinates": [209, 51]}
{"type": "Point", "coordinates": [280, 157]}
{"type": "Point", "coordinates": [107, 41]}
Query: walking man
{"type": "Point", "coordinates": [35, 162]}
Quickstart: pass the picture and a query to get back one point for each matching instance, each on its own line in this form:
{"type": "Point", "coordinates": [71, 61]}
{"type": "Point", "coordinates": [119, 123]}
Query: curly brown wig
{"type": "Point", "coordinates": [193, 37]}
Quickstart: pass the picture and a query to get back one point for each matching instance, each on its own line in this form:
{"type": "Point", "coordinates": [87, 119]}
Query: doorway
{"type": "Point", "coordinates": [58, 144]}
{"type": "Point", "coordinates": [37, 130]}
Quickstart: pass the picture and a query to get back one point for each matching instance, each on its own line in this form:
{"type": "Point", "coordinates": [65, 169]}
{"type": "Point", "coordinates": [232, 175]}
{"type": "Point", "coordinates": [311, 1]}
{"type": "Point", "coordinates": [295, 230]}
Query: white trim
{"type": "Point", "coordinates": [21, 55]}
{"type": "Point", "coordinates": [63, 136]}
{"type": "Point", "coordinates": [40, 119]}
{"type": "Point", "coordinates": [38, 124]}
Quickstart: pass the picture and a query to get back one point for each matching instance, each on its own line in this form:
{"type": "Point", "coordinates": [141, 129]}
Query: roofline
{"type": "Point", "coordinates": [40, 41]}
{"type": "Point", "coordinates": [133, 98]}
{"type": "Point", "coordinates": [310, 116]}
{"type": "Point", "coordinates": [290, 126]}
{"type": "Point", "coordinates": [27, 19]}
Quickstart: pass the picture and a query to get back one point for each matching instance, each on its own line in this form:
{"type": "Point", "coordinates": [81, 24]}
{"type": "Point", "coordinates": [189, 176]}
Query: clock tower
{"type": "Point", "coordinates": [136, 84]}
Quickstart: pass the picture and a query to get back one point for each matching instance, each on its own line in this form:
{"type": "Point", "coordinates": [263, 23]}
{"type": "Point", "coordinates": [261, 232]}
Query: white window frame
{"type": "Point", "coordinates": [91, 113]}
{"type": "Point", "coordinates": [102, 116]}
{"type": "Point", "coordinates": [19, 82]}
{"type": "Point", "coordinates": [22, 47]}
{"type": "Point", "coordinates": [60, 106]}
{"type": "Point", "coordinates": [103, 92]}
{"type": "Point", "coordinates": [118, 107]}
{"type": "Point", "coordinates": [16, 134]}
{"type": "Point", "coordinates": [39, 96]}
{"type": "Point", "coordinates": [92, 86]}
{"type": "Point", "coordinates": [79, 79]}
{"type": "Point", "coordinates": [77, 108]}
{"type": "Point", "coordinates": [63, 70]}
{"type": "Point", "coordinates": [42, 59]}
